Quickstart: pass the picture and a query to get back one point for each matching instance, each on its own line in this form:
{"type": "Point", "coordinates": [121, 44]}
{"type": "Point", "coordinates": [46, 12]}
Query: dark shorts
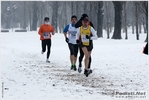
{"type": "Point", "coordinates": [73, 49]}
{"type": "Point", "coordinates": [89, 48]}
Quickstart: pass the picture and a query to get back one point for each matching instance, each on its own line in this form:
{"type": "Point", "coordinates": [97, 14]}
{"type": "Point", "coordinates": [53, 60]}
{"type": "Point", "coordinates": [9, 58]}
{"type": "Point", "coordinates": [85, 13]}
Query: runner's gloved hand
{"type": "Point", "coordinates": [88, 37]}
{"type": "Point", "coordinates": [67, 40]}
{"type": "Point", "coordinates": [77, 41]}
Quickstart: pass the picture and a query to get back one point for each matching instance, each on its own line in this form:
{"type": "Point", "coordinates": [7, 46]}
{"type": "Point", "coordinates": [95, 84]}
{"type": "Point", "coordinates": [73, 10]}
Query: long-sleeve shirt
{"type": "Point", "coordinates": [45, 31]}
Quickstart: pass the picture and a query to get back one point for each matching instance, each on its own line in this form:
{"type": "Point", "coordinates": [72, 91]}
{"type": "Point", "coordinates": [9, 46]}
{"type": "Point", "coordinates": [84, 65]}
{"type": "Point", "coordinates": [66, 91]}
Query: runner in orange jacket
{"type": "Point", "coordinates": [46, 31]}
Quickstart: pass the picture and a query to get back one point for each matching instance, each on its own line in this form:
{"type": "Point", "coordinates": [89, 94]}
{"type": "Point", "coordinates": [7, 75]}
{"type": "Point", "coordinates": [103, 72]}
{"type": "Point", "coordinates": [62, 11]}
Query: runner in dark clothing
{"type": "Point", "coordinates": [145, 50]}
{"type": "Point", "coordinates": [77, 25]}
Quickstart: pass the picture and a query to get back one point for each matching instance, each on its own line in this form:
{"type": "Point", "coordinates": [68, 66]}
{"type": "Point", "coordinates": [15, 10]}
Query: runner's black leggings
{"type": "Point", "coordinates": [48, 44]}
{"type": "Point", "coordinates": [81, 57]}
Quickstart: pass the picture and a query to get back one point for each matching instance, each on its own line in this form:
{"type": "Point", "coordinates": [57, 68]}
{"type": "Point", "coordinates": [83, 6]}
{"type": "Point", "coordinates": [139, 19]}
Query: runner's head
{"type": "Point", "coordinates": [83, 16]}
{"type": "Point", "coordinates": [46, 20]}
{"type": "Point", "coordinates": [85, 21]}
{"type": "Point", "coordinates": [73, 19]}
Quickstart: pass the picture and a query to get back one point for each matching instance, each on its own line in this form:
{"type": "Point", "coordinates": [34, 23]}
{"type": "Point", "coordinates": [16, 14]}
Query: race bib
{"type": "Point", "coordinates": [73, 34]}
{"type": "Point", "coordinates": [46, 35]}
{"type": "Point", "coordinates": [85, 41]}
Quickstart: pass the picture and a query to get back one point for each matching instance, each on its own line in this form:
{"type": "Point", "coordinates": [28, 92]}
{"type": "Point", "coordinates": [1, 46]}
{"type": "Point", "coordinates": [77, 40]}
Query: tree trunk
{"type": "Point", "coordinates": [132, 27]}
{"type": "Point", "coordinates": [118, 19]}
{"type": "Point", "coordinates": [30, 19]}
{"type": "Point", "coordinates": [146, 8]}
{"type": "Point", "coordinates": [100, 19]}
{"type": "Point", "coordinates": [77, 10]}
{"type": "Point", "coordinates": [35, 16]}
{"type": "Point", "coordinates": [12, 21]}
{"type": "Point", "coordinates": [146, 40]}
{"type": "Point", "coordinates": [72, 8]}
{"type": "Point", "coordinates": [123, 25]}
{"type": "Point", "coordinates": [24, 19]}
{"type": "Point", "coordinates": [140, 26]}
{"type": "Point", "coordinates": [54, 15]}
{"type": "Point", "coordinates": [41, 20]}
{"type": "Point", "coordinates": [8, 21]}
{"type": "Point", "coordinates": [85, 7]}
{"type": "Point", "coordinates": [108, 33]}
{"type": "Point", "coordinates": [91, 10]}
{"type": "Point", "coordinates": [125, 21]}
{"type": "Point", "coordinates": [110, 24]}
{"type": "Point", "coordinates": [144, 27]}
{"type": "Point", "coordinates": [137, 33]}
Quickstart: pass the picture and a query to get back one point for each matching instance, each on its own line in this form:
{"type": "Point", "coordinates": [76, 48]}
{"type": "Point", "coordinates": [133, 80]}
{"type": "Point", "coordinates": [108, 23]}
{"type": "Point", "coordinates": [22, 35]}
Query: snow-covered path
{"type": "Point", "coordinates": [118, 65]}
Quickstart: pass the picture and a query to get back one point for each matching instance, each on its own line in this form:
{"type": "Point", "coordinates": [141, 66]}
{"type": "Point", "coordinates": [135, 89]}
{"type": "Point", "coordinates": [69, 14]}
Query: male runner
{"type": "Point", "coordinates": [46, 31]}
{"type": "Point", "coordinates": [70, 37]}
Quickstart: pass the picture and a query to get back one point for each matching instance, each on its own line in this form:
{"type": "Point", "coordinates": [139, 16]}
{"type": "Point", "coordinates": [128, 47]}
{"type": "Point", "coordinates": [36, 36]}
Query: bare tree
{"type": "Point", "coordinates": [72, 8]}
{"type": "Point", "coordinates": [140, 26]}
{"type": "Point", "coordinates": [118, 19]}
{"type": "Point", "coordinates": [125, 20]}
{"type": "Point", "coordinates": [107, 15]}
{"type": "Point", "coordinates": [5, 14]}
{"type": "Point", "coordinates": [41, 11]}
{"type": "Point", "coordinates": [132, 27]}
{"type": "Point", "coordinates": [144, 8]}
{"type": "Point", "coordinates": [24, 15]}
{"type": "Point", "coordinates": [90, 12]}
{"type": "Point", "coordinates": [30, 16]}
{"type": "Point", "coordinates": [100, 19]}
{"type": "Point", "coordinates": [144, 24]}
{"type": "Point", "coordinates": [35, 16]}
{"type": "Point", "coordinates": [137, 33]}
{"type": "Point", "coordinates": [85, 7]}
{"type": "Point", "coordinates": [54, 14]}
{"type": "Point", "coordinates": [29, 13]}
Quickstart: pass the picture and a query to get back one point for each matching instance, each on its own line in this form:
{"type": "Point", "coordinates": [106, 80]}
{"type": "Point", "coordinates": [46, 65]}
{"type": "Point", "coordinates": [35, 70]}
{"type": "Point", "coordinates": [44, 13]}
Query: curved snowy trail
{"type": "Point", "coordinates": [118, 65]}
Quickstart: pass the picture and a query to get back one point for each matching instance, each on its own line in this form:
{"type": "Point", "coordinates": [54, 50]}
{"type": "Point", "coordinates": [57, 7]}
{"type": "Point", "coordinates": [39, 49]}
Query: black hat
{"type": "Point", "coordinates": [46, 18]}
{"type": "Point", "coordinates": [83, 16]}
{"type": "Point", "coordinates": [74, 16]}
{"type": "Point", "coordinates": [85, 19]}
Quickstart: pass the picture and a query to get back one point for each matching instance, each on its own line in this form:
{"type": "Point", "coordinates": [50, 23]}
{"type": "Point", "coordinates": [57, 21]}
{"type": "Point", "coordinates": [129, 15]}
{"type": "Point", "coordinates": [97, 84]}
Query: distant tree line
{"type": "Point", "coordinates": [112, 16]}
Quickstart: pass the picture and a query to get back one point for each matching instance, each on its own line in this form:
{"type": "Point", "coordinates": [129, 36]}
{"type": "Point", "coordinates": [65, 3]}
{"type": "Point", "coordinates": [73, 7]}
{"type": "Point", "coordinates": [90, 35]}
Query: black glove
{"type": "Point", "coordinates": [88, 37]}
{"type": "Point", "coordinates": [77, 41]}
{"type": "Point", "coordinates": [67, 40]}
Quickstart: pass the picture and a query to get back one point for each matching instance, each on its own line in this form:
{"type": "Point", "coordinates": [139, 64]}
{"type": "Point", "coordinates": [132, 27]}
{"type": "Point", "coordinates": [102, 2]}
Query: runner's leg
{"type": "Point", "coordinates": [90, 60]}
{"type": "Point", "coordinates": [75, 53]}
{"type": "Point", "coordinates": [43, 45]}
{"type": "Point", "coordinates": [71, 48]}
{"type": "Point", "coordinates": [49, 48]}
{"type": "Point", "coordinates": [87, 55]}
{"type": "Point", "coordinates": [90, 48]}
{"type": "Point", "coordinates": [81, 56]}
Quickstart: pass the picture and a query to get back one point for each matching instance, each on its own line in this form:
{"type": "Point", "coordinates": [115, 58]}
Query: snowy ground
{"type": "Point", "coordinates": [118, 65]}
